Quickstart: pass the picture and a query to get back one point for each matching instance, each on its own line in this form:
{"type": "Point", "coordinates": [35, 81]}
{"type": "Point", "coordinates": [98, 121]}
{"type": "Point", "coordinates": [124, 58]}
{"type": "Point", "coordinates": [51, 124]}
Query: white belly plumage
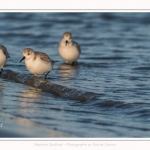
{"type": "Point", "coordinates": [69, 54]}
{"type": "Point", "coordinates": [38, 67]}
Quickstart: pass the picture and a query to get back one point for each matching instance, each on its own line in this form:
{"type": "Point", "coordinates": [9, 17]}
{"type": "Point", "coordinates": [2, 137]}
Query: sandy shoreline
{"type": "Point", "coordinates": [9, 126]}
{"type": "Point", "coordinates": [8, 134]}
{"type": "Point", "coordinates": [18, 127]}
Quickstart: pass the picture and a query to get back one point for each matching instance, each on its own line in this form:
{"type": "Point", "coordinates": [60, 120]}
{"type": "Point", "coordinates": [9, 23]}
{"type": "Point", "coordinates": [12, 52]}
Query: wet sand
{"type": "Point", "coordinates": [17, 127]}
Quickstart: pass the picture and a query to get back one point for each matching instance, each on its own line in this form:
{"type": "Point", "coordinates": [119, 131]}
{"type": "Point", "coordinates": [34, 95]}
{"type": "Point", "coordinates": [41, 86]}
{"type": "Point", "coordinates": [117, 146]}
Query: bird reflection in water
{"type": "Point", "coordinates": [67, 70]}
{"type": "Point", "coordinates": [31, 93]}
{"type": "Point", "coordinates": [30, 97]}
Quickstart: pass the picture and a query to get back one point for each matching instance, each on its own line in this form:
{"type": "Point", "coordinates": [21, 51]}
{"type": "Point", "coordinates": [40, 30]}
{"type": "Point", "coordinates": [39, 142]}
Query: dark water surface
{"type": "Point", "coordinates": [106, 95]}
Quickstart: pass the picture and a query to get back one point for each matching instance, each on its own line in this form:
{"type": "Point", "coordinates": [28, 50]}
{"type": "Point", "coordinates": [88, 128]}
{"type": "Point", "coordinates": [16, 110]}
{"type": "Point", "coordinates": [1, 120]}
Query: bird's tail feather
{"type": "Point", "coordinates": [53, 61]}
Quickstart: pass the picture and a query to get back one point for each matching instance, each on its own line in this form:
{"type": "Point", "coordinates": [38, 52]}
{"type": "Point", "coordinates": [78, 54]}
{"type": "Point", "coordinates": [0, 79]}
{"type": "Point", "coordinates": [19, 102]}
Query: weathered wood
{"type": "Point", "coordinates": [46, 86]}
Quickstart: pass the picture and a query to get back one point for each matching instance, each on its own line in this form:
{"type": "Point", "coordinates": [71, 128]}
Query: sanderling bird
{"type": "Point", "coordinates": [68, 49]}
{"type": "Point", "coordinates": [37, 62]}
{"type": "Point", "coordinates": [3, 57]}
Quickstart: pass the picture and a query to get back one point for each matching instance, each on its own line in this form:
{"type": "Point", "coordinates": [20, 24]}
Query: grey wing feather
{"type": "Point", "coordinates": [78, 46]}
{"type": "Point", "coordinates": [5, 51]}
{"type": "Point", "coordinates": [43, 56]}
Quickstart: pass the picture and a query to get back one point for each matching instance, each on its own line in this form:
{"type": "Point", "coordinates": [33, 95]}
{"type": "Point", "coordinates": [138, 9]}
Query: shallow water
{"type": "Point", "coordinates": [113, 72]}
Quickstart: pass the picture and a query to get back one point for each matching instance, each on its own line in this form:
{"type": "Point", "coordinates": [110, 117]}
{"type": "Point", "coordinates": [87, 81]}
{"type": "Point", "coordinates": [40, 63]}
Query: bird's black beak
{"type": "Point", "coordinates": [22, 59]}
{"type": "Point", "coordinates": [66, 43]}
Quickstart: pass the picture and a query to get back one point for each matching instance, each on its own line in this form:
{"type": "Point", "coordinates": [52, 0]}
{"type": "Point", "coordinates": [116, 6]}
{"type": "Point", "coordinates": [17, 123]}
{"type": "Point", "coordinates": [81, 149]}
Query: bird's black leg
{"type": "Point", "coordinates": [73, 63]}
{"type": "Point", "coordinates": [1, 71]}
{"type": "Point", "coordinates": [46, 75]}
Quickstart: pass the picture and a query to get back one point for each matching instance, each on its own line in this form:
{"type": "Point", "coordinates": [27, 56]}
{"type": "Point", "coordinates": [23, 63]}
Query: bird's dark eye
{"type": "Point", "coordinates": [28, 54]}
